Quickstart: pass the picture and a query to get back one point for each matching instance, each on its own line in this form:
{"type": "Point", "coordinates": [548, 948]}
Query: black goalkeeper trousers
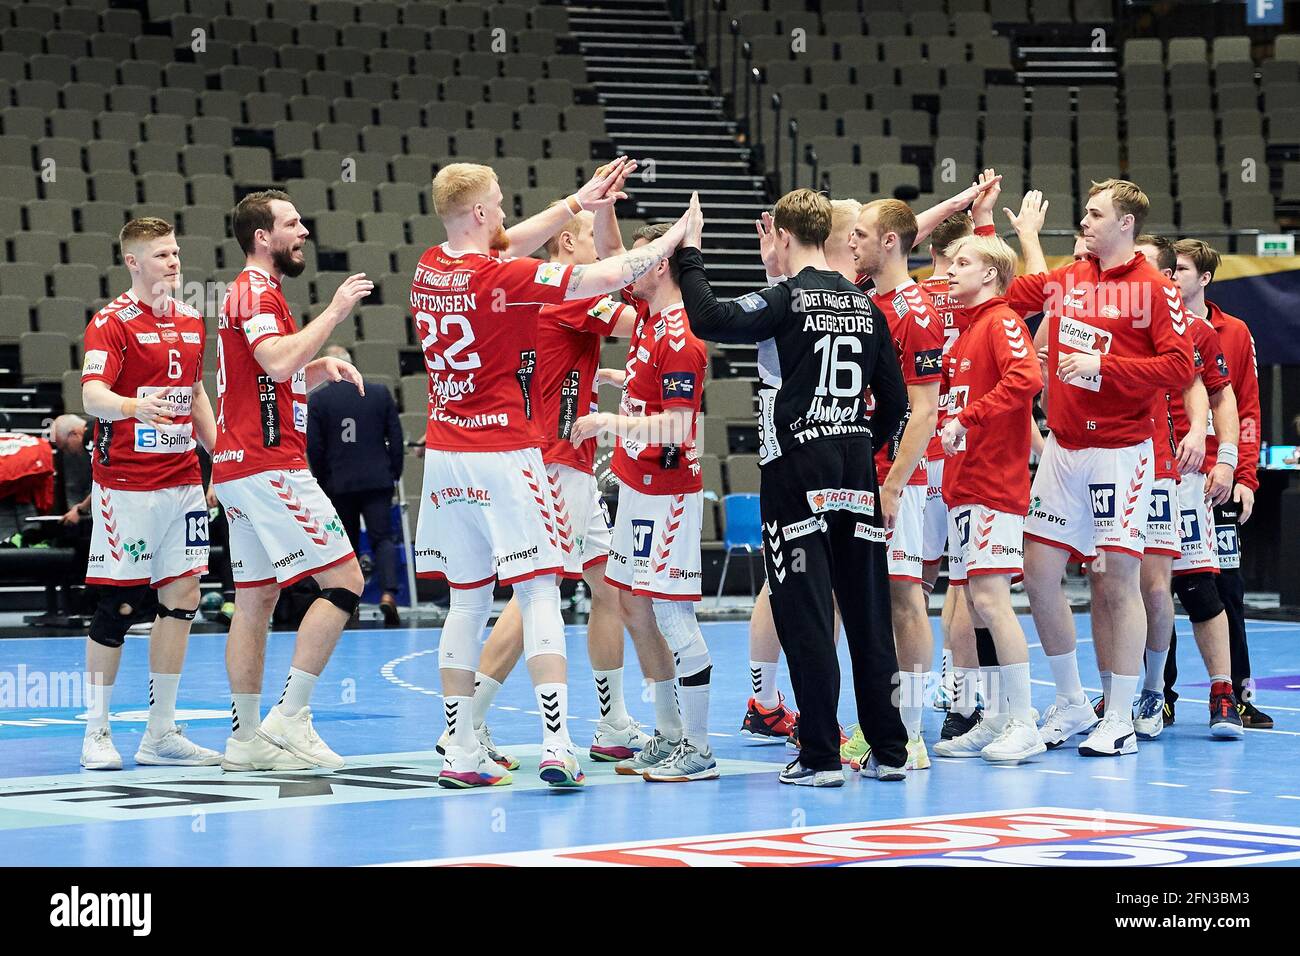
{"type": "Point", "coordinates": [821, 535]}
{"type": "Point", "coordinates": [1232, 591]}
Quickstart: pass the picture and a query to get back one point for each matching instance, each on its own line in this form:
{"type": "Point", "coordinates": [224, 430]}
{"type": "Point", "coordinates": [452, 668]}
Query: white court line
{"type": "Point", "coordinates": [1287, 796]}
{"type": "Point", "coordinates": [1160, 783]}
{"type": "Point", "coordinates": [1103, 777]}
{"type": "Point", "coordinates": [1225, 790]}
{"type": "Point", "coordinates": [1060, 773]}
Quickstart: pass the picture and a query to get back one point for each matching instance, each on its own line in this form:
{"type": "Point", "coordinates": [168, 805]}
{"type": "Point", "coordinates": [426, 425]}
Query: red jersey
{"type": "Point", "coordinates": [476, 316]}
{"type": "Point", "coordinates": [993, 378]}
{"type": "Point", "coordinates": [918, 335]}
{"type": "Point", "coordinates": [1243, 371]}
{"type": "Point", "coordinates": [137, 352]}
{"type": "Point", "coordinates": [568, 355]}
{"type": "Point", "coordinates": [1134, 317]}
{"type": "Point", "coordinates": [666, 365]}
{"type": "Point", "coordinates": [261, 423]}
{"type": "Point", "coordinates": [1210, 365]}
{"type": "Point", "coordinates": [955, 322]}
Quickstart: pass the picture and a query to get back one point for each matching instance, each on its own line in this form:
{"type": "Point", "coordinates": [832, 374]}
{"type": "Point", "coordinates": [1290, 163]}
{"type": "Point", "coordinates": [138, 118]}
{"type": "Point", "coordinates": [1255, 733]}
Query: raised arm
{"type": "Point", "coordinates": [1028, 224]}
{"type": "Point", "coordinates": [927, 220]}
{"type": "Point", "coordinates": [608, 240]}
{"type": "Point", "coordinates": [598, 192]}
{"type": "Point", "coordinates": [283, 355]}
{"type": "Point", "coordinates": [607, 275]}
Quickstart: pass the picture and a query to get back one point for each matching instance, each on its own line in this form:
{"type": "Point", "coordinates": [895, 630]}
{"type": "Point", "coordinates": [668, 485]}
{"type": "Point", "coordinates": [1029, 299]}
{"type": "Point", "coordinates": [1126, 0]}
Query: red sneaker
{"type": "Point", "coordinates": [768, 726]}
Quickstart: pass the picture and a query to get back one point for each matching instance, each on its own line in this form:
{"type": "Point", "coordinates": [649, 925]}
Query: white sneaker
{"type": "Point", "coordinates": [259, 754]}
{"type": "Point", "coordinates": [614, 742]}
{"type": "Point", "coordinates": [98, 752]}
{"type": "Point", "coordinates": [463, 769]}
{"type": "Point", "coordinates": [1112, 737]}
{"type": "Point", "coordinates": [973, 742]}
{"type": "Point", "coordinates": [877, 771]}
{"type": "Point", "coordinates": [918, 758]}
{"type": "Point", "coordinates": [297, 735]}
{"type": "Point", "coordinates": [1018, 741]}
{"type": "Point", "coordinates": [1149, 715]}
{"type": "Point", "coordinates": [798, 775]}
{"type": "Point", "coordinates": [1062, 723]}
{"type": "Point", "coordinates": [484, 736]}
{"type": "Point", "coordinates": [559, 766]}
{"type": "Point", "coordinates": [174, 749]}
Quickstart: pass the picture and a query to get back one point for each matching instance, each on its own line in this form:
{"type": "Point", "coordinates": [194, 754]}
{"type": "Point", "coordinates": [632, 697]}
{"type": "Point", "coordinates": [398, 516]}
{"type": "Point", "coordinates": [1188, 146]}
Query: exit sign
{"type": "Point", "coordinates": [1281, 244]}
{"type": "Point", "coordinates": [1264, 12]}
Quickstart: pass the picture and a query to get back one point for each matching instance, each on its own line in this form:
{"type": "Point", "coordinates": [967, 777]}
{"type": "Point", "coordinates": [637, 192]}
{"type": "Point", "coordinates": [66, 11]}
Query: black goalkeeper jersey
{"type": "Point", "coordinates": [821, 343]}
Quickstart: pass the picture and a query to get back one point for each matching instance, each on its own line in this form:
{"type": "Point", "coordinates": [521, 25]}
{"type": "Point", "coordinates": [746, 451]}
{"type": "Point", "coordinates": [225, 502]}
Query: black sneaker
{"type": "Point", "coordinates": [768, 726]}
{"type": "Point", "coordinates": [792, 741]}
{"type": "Point", "coordinates": [1169, 712]}
{"type": "Point", "coordinates": [800, 776]}
{"type": "Point", "coordinates": [954, 725]}
{"type": "Point", "coordinates": [1225, 721]}
{"type": "Point", "coordinates": [1254, 718]}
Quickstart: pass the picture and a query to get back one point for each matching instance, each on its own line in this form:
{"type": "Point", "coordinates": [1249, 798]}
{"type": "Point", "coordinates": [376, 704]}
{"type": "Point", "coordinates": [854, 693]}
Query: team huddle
{"type": "Point", "coordinates": [896, 422]}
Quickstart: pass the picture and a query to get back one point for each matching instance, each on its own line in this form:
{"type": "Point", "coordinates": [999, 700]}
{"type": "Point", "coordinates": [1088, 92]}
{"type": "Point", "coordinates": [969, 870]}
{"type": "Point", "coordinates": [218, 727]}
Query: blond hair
{"type": "Point", "coordinates": [458, 186]}
{"type": "Point", "coordinates": [844, 214]}
{"type": "Point", "coordinates": [572, 227]}
{"type": "Point", "coordinates": [896, 216]}
{"type": "Point", "coordinates": [804, 214]}
{"type": "Point", "coordinates": [1127, 199]}
{"type": "Point", "coordinates": [143, 229]}
{"type": "Point", "coordinates": [993, 250]}
{"type": "Point", "coordinates": [1202, 254]}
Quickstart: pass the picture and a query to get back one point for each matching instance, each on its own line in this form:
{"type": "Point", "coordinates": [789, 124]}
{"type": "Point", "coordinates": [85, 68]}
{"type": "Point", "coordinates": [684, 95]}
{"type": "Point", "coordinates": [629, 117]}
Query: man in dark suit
{"type": "Point", "coordinates": [354, 444]}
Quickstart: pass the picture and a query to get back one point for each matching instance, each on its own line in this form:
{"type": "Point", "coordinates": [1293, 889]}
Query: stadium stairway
{"type": "Point", "coordinates": [660, 110]}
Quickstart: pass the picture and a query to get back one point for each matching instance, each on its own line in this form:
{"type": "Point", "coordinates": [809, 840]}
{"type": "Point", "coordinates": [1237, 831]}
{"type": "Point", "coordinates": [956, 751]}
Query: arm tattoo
{"type": "Point", "coordinates": [575, 279]}
{"type": "Point", "coordinates": [638, 262]}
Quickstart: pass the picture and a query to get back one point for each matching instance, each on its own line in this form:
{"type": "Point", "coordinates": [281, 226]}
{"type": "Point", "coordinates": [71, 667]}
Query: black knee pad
{"type": "Point", "coordinates": [343, 599]}
{"type": "Point", "coordinates": [696, 680]}
{"type": "Point", "coordinates": [985, 648]}
{"type": "Point", "coordinates": [177, 612]}
{"type": "Point", "coordinates": [1199, 595]}
{"type": "Point", "coordinates": [110, 624]}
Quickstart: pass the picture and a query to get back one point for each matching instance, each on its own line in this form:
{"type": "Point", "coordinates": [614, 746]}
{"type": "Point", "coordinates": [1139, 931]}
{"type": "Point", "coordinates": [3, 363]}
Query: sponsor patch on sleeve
{"type": "Point", "coordinates": [678, 385]}
{"type": "Point", "coordinates": [928, 362]}
{"type": "Point", "coordinates": [752, 302]}
{"type": "Point", "coordinates": [191, 338]}
{"type": "Point", "coordinates": [94, 362]}
{"type": "Point", "coordinates": [549, 273]}
{"type": "Point", "coordinates": [260, 325]}
{"type": "Point", "coordinates": [604, 311]}
{"type": "Point", "coordinates": [1223, 364]}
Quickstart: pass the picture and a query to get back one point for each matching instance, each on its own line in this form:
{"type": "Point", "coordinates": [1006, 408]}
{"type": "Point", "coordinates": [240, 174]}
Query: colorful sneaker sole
{"type": "Point", "coordinates": [557, 774]}
{"type": "Point", "coordinates": [612, 754]}
{"type": "Point", "coordinates": [467, 781]}
{"type": "Point", "coordinates": [710, 774]}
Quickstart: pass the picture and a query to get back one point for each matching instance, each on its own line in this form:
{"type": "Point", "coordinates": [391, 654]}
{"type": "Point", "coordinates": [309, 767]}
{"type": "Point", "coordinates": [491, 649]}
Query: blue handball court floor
{"type": "Point", "coordinates": [1184, 799]}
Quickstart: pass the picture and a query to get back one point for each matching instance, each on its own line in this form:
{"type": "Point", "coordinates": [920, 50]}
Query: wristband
{"type": "Point", "coordinates": [989, 230]}
{"type": "Point", "coordinates": [572, 201]}
{"type": "Point", "coordinates": [1227, 455]}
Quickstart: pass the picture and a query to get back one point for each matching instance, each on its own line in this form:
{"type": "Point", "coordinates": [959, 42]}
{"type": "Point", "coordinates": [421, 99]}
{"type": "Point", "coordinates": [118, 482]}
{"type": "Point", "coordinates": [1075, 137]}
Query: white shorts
{"type": "Point", "coordinates": [905, 542]}
{"type": "Point", "coordinates": [1087, 500]}
{"type": "Point", "coordinates": [656, 546]}
{"type": "Point", "coordinates": [1196, 531]}
{"type": "Point", "coordinates": [1228, 545]}
{"type": "Point", "coordinates": [1162, 531]}
{"type": "Point", "coordinates": [934, 533]}
{"type": "Point", "coordinates": [282, 528]}
{"type": "Point", "coordinates": [485, 516]}
{"type": "Point", "coordinates": [582, 520]}
{"type": "Point", "coordinates": [147, 537]}
{"type": "Point", "coordinates": [984, 541]}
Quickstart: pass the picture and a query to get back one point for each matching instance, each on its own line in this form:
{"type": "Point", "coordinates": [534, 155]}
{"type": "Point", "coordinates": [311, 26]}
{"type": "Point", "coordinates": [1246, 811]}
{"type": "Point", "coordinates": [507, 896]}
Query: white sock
{"type": "Point", "coordinates": [485, 689]}
{"type": "Point", "coordinates": [245, 715]}
{"type": "Point", "coordinates": [553, 702]}
{"type": "Point", "coordinates": [912, 700]}
{"type": "Point", "coordinates": [609, 694]}
{"type": "Point", "coordinates": [763, 676]}
{"type": "Point", "coordinates": [993, 693]}
{"type": "Point", "coordinates": [695, 713]}
{"type": "Point", "coordinates": [98, 697]}
{"type": "Point", "coordinates": [1105, 683]}
{"type": "Point", "coordinates": [459, 733]}
{"type": "Point", "coordinates": [668, 718]}
{"type": "Point", "coordinates": [1015, 678]}
{"type": "Point", "coordinates": [1155, 676]}
{"type": "Point", "coordinates": [1120, 700]}
{"type": "Point", "coordinates": [297, 692]}
{"type": "Point", "coordinates": [965, 685]}
{"type": "Point", "coordinates": [162, 702]}
{"type": "Point", "coordinates": [946, 672]}
{"type": "Point", "coordinates": [1065, 674]}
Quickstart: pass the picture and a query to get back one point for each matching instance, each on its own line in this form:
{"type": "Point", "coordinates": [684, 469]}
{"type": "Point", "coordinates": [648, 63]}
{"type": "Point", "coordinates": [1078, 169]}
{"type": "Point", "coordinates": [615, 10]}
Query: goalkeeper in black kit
{"type": "Point", "coordinates": [830, 393]}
